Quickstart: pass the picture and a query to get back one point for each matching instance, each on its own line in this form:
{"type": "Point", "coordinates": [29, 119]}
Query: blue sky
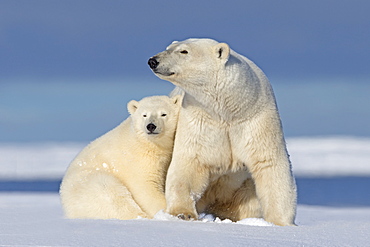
{"type": "Point", "coordinates": [105, 38]}
{"type": "Point", "coordinates": [62, 61]}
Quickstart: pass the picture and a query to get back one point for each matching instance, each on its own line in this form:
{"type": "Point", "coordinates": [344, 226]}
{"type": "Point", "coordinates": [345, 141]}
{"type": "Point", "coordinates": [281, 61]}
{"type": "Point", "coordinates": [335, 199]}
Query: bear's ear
{"type": "Point", "coordinates": [177, 99]}
{"type": "Point", "coordinates": [132, 106]}
{"type": "Point", "coordinates": [222, 51]}
{"type": "Point", "coordinates": [173, 42]}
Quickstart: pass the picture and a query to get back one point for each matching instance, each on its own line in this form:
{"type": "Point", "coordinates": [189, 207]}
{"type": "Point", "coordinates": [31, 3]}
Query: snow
{"type": "Point", "coordinates": [311, 157]}
{"type": "Point", "coordinates": [161, 215]}
{"type": "Point", "coordinates": [36, 160]}
{"type": "Point", "coordinates": [326, 169]}
{"type": "Point", "coordinates": [330, 156]}
{"type": "Point", "coordinates": [37, 220]}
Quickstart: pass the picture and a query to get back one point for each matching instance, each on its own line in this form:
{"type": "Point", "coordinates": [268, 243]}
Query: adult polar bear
{"type": "Point", "coordinates": [229, 130]}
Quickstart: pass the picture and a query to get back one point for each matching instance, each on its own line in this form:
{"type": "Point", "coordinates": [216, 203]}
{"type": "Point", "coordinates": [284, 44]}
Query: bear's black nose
{"type": "Point", "coordinates": [153, 63]}
{"type": "Point", "coordinates": [151, 127]}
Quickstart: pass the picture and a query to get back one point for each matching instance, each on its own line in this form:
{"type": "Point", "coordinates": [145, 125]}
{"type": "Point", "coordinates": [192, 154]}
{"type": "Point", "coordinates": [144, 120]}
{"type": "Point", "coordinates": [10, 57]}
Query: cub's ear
{"type": "Point", "coordinates": [177, 99]}
{"type": "Point", "coordinates": [222, 51]}
{"type": "Point", "coordinates": [132, 106]}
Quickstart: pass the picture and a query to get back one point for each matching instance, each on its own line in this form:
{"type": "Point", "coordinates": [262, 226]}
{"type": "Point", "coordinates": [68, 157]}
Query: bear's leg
{"type": "Point", "coordinates": [276, 192]}
{"type": "Point", "coordinates": [232, 196]}
{"type": "Point", "coordinates": [184, 189]}
{"type": "Point", "coordinates": [99, 196]}
{"type": "Point", "coordinates": [200, 153]}
{"type": "Point", "coordinates": [260, 144]}
{"type": "Point", "coordinates": [243, 204]}
{"type": "Point", "coordinates": [149, 193]}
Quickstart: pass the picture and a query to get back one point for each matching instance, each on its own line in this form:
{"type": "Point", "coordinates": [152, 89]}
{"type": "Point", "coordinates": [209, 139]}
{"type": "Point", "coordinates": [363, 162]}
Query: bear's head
{"type": "Point", "coordinates": [191, 62]}
{"type": "Point", "coordinates": [155, 118]}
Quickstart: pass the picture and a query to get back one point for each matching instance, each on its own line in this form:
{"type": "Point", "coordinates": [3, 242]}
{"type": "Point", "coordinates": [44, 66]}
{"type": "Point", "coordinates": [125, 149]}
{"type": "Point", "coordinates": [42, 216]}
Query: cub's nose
{"type": "Point", "coordinates": [153, 63]}
{"type": "Point", "coordinates": [151, 127]}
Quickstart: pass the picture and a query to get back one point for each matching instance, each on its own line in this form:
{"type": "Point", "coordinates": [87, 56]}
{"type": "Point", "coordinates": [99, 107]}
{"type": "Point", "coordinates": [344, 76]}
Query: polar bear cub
{"type": "Point", "coordinates": [229, 156]}
{"type": "Point", "coordinates": [122, 174]}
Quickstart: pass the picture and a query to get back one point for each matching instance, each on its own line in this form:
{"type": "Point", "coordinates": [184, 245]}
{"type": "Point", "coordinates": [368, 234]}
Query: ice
{"type": "Point", "coordinates": [318, 157]}
{"type": "Point", "coordinates": [330, 156]}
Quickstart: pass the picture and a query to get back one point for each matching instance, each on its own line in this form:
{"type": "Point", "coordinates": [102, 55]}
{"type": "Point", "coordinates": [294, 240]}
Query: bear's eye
{"type": "Point", "coordinates": [164, 114]}
{"type": "Point", "coordinates": [184, 52]}
{"type": "Point", "coordinates": [144, 115]}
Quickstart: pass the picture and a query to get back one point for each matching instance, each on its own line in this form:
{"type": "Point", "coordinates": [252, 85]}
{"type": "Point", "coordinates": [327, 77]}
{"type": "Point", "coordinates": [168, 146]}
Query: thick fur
{"type": "Point", "coordinates": [230, 156]}
{"type": "Point", "coordinates": [122, 174]}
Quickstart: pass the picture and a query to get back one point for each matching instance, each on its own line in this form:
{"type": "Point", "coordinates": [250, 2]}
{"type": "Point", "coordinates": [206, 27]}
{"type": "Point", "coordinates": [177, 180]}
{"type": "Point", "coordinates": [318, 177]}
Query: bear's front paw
{"type": "Point", "coordinates": [187, 216]}
{"type": "Point", "coordinates": [184, 214]}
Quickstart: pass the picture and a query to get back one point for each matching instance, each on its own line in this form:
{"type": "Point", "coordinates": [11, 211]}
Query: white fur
{"type": "Point", "coordinates": [121, 174]}
{"type": "Point", "coordinates": [230, 156]}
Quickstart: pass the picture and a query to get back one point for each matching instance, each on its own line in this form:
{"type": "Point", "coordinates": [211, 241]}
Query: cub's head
{"type": "Point", "coordinates": [190, 62]}
{"type": "Point", "coordinates": [155, 118]}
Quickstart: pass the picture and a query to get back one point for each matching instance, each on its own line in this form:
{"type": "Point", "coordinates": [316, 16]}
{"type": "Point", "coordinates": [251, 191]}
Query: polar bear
{"type": "Point", "coordinates": [230, 156]}
{"type": "Point", "coordinates": [122, 174]}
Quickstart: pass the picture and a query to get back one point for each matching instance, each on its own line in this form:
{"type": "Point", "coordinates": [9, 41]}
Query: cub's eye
{"type": "Point", "coordinates": [184, 52]}
{"type": "Point", "coordinates": [144, 115]}
{"type": "Point", "coordinates": [164, 114]}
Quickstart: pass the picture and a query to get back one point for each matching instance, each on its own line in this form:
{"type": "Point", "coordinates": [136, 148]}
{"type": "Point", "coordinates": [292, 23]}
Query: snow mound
{"type": "Point", "coordinates": [161, 215]}
{"type": "Point", "coordinates": [254, 222]}
{"type": "Point", "coordinates": [209, 218]}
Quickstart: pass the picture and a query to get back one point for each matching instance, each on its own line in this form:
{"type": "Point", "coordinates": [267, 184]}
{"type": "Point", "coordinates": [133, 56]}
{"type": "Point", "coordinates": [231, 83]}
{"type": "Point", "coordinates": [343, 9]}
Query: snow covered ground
{"type": "Point", "coordinates": [37, 220]}
{"type": "Point", "coordinates": [333, 178]}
